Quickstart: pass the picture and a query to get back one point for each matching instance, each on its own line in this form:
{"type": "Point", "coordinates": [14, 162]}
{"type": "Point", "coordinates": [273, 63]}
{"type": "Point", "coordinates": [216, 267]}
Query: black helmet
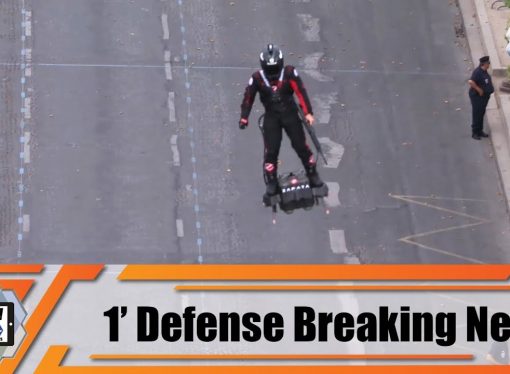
{"type": "Point", "coordinates": [271, 61]}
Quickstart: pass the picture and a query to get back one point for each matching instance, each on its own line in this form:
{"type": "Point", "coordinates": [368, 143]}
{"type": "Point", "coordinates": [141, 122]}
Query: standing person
{"type": "Point", "coordinates": [480, 91]}
{"type": "Point", "coordinates": [277, 85]}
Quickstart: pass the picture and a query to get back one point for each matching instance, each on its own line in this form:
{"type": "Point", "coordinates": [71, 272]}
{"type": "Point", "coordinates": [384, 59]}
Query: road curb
{"type": "Point", "coordinates": [481, 41]}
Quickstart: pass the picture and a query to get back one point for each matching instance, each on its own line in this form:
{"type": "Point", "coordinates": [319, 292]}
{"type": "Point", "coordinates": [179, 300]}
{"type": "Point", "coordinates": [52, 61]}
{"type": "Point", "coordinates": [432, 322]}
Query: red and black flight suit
{"type": "Point", "coordinates": [281, 112]}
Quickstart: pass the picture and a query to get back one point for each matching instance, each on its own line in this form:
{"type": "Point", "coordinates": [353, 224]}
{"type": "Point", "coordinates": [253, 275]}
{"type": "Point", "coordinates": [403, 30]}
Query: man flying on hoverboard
{"type": "Point", "coordinates": [277, 84]}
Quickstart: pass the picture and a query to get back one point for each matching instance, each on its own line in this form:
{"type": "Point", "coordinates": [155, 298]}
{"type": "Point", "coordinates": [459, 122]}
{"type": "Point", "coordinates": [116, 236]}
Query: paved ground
{"type": "Point", "coordinates": [10, 17]}
{"type": "Point", "coordinates": [133, 131]}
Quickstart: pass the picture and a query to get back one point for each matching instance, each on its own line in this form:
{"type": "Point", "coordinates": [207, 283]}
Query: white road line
{"type": "Point", "coordinates": [168, 71]}
{"type": "Point", "coordinates": [202, 67]}
{"type": "Point", "coordinates": [337, 241]}
{"type": "Point", "coordinates": [28, 23]}
{"type": "Point", "coordinates": [122, 66]}
{"type": "Point", "coordinates": [26, 223]}
{"type": "Point", "coordinates": [26, 59]}
{"type": "Point", "coordinates": [175, 151]}
{"type": "Point", "coordinates": [28, 108]}
{"type": "Point", "coordinates": [311, 67]}
{"type": "Point", "coordinates": [168, 66]}
{"type": "Point", "coordinates": [322, 106]}
{"type": "Point", "coordinates": [26, 153]}
{"type": "Point", "coordinates": [189, 123]}
{"type": "Point", "coordinates": [164, 22]}
{"type": "Point", "coordinates": [351, 260]}
{"type": "Point", "coordinates": [309, 27]}
{"type": "Point", "coordinates": [334, 152]}
{"type": "Point", "coordinates": [180, 228]}
{"type": "Point", "coordinates": [171, 106]}
{"type": "Point", "coordinates": [332, 200]}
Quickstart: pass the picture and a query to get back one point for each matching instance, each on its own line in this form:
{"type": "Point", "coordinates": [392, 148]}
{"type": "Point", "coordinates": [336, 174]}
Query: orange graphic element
{"type": "Point", "coordinates": [51, 364]}
{"type": "Point", "coordinates": [19, 286]}
{"type": "Point", "coordinates": [340, 288]}
{"type": "Point", "coordinates": [37, 319]}
{"type": "Point", "coordinates": [316, 272]}
{"type": "Point", "coordinates": [9, 269]}
{"type": "Point", "coordinates": [424, 357]}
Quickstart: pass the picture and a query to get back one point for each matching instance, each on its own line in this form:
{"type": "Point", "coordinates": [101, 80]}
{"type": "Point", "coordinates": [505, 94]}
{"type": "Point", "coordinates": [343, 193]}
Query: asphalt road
{"type": "Point", "coordinates": [135, 154]}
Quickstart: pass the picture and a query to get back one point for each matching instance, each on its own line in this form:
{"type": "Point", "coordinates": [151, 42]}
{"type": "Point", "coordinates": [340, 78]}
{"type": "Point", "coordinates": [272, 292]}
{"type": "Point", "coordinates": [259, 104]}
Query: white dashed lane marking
{"type": "Point", "coordinates": [180, 228]}
{"type": "Point", "coordinates": [175, 151]}
{"type": "Point", "coordinates": [171, 106]}
{"type": "Point", "coordinates": [164, 23]}
{"type": "Point", "coordinates": [322, 104]}
{"type": "Point", "coordinates": [28, 24]}
{"type": "Point", "coordinates": [26, 154]}
{"type": "Point", "coordinates": [189, 123]}
{"type": "Point", "coordinates": [27, 108]}
{"type": "Point", "coordinates": [168, 66]}
{"type": "Point", "coordinates": [168, 71]}
{"type": "Point", "coordinates": [26, 223]}
{"type": "Point", "coordinates": [332, 200]}
{"type": "Point", "coordinates": [26, 111]}
{"type": "Point", "coordinates": [337, 241]}
{"type": "Point", "coordinates": [28, 54]}
{"type": "Point", "coordinates": [26, 148]}
{"type": "Point", "coordinates": [352, 260]}
{"type": "Point", "coordinates": [311, 67]}
{"type": "Point", "coordinates": [333, 152]}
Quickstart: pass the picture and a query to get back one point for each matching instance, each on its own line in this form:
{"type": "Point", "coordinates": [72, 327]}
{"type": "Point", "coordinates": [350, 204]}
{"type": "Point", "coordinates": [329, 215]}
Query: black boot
{"type": "Point", "coordinates": [271, 184]}
{"type": "Point", "coordinates": [313, 176]}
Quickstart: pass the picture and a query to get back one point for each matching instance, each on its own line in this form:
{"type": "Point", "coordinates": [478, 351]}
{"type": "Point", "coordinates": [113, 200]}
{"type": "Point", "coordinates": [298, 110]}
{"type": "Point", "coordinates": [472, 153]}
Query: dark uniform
{"type": "Point", "coordinates": [479, 103]}
{"type": "Point", "coordinates": [277, 84]}
{"type": "Point", "coordinates": [280, 113]}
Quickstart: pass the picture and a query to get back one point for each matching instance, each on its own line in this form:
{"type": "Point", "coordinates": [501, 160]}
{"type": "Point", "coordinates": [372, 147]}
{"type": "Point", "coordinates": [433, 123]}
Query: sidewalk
{"type": "Point", "coordinates": [482, 24]}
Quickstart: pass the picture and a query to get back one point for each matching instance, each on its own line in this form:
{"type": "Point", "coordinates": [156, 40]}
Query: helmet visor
{"type": "Point", "coordinates": [273, 70]}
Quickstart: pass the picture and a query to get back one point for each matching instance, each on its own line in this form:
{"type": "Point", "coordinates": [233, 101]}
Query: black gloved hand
{"type": "Point", "coordinates": [243, 123]}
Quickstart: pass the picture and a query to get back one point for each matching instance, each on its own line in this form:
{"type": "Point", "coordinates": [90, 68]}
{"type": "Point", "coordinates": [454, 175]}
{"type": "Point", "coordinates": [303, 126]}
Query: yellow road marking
{"type": "Point", "coordinates": [411, 239]}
